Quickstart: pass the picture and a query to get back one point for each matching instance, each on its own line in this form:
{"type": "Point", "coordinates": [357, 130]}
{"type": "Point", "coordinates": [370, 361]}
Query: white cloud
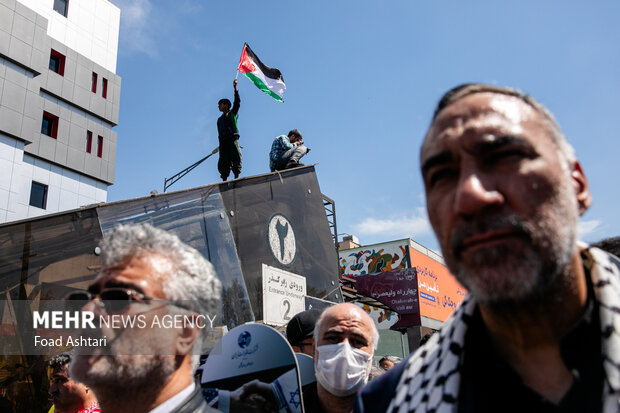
{"type": "Point", "coordinates": [408, 226]}
{"type": "Point", "coordinates": [588, 227]}
{"type": "Point", "coordinates": [137, 24]}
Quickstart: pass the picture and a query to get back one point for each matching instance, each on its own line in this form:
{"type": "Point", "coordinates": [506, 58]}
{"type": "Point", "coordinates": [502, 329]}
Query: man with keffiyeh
{"type": "Point", "coordinates": [538, 329]}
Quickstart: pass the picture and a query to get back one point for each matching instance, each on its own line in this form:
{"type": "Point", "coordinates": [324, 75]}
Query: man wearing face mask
{"type": "Point", "coordinates": [346, 338]}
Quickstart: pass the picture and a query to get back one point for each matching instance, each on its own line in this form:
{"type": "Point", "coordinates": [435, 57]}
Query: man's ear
{"type": "Point", "coordinates": [187, 336]}
{"type": "Point", "coordinates": [582, 190]}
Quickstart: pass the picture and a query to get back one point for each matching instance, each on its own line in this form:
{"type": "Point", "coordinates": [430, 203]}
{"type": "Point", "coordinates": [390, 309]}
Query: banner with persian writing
{"type": "Point", "coordinates": [439, 291]}
{"type": "Point", "coordinates": [398, 289]}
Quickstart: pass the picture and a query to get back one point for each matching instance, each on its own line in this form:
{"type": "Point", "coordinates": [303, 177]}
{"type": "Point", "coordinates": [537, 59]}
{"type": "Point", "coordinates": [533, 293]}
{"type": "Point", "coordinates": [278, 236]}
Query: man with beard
{"type": "Point", "coordinates": [68, 395]}
{"type": "Point", "coordinates": [537, 331]}
{"type": "Point", "coordinates": [148, 273]}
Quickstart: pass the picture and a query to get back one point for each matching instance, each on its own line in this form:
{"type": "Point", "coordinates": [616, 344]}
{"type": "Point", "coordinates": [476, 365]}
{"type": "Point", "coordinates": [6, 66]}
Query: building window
{"type": "Point", "coordinates": [94, 84]}
{"type": "Point", "coordinates": [57, 62]}
{"type": "Point", "coordinates": [89, 141]}
{"type": "Point", "coordinates": [38, 195]}
{"type": "Point", "coordinates": [104, 87]}
{"type": "Point", "coordinates": [61, 6]}
{"type": "Point", "coordinates": [99, 146]}
{"type": "Point", "coordinates": [49, 125]}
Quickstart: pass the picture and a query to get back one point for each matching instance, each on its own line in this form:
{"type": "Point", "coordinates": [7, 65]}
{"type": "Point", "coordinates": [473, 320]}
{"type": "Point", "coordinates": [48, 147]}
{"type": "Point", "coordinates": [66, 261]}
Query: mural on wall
{"type": "Point", "coordinates": [439, 291]}
{"type": "Point", "coordinates": [384, 318]}
{"type": "Point", "coordinates": [368, 260]}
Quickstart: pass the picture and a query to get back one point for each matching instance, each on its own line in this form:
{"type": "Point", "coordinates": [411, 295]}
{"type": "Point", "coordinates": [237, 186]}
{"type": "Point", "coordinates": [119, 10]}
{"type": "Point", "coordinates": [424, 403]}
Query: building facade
{"type": "Point", "coordinates": [59, 103]}
{"type": "Point", "coordinates": [404, 276]}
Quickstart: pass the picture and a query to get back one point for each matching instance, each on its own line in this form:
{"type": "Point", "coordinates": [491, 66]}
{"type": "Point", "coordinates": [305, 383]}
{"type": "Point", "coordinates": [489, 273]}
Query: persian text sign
{"type": "Point", "coordinates": [398, 289]}
{"type": "Point", "coordinates": [440, 293]}
{"type": "Point", "coordinates": [283, 295]}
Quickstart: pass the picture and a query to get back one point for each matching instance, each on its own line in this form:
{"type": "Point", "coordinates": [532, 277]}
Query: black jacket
{"type": "Point", "coordinates": [376, 396]}
{"type": "Point", "coordinates": [227, 123]}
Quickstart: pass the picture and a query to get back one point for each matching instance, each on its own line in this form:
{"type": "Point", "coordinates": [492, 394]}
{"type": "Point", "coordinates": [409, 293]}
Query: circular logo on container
{"type": "Point", "coordinates": [281, 239]}
{"type": "Point", "coordinates": [244, 339]}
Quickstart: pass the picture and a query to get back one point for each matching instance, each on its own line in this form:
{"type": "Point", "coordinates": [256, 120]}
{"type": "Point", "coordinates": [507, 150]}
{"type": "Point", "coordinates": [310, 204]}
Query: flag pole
{"type": "Point", "coordinates": [242, 50]}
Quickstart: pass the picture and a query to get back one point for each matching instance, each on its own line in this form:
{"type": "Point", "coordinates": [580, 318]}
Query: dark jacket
{"type": "Point", "coordinates": [376, 396]}
{"type": "Point", "coordinates": [227, 123]}
{"type": "Point", "coordinates": [433, 378]}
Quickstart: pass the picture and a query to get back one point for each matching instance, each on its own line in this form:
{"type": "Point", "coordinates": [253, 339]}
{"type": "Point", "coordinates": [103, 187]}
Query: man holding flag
{"type": "Point", "coordinates": [267, 79]}
{"type": "Point", "coordinates": [228, 136]}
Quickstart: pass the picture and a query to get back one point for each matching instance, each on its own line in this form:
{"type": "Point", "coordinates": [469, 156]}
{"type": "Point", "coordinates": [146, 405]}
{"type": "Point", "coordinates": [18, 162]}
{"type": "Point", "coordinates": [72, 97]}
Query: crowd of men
{"type": "Point", "coordinates": [536, 332]}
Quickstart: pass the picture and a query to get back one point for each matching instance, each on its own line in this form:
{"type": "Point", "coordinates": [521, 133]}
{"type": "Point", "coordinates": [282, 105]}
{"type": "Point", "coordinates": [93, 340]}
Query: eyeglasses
{"type": "Point", "coordinates": [112, 299]}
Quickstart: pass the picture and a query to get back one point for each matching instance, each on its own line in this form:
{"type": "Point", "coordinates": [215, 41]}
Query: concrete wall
{"type": "Point", "coordinates": [90, 28]}
{"type": "Point", "coordinates": [69, 148]}
{"type": "Point", "coordinates": [75, 85]}
{"type": "Point", "coordinates": [66, 189]}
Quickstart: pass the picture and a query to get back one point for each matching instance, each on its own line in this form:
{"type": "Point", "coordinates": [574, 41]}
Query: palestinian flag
{"type": "Point", "coordinates": [265, 78]}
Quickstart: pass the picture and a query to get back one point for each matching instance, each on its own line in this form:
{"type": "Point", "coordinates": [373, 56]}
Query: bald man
{"type": "Point", "coordinates": [346, 338]}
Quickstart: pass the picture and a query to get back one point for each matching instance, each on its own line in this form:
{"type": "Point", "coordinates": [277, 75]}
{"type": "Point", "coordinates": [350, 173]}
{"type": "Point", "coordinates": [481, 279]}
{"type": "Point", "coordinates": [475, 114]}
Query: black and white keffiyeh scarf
{"type": "Point", "coordinates": [431, 379]}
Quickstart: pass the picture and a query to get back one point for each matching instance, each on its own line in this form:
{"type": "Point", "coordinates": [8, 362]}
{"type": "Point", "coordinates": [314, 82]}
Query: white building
{"type": "Point", "coordinates": [59, 100]}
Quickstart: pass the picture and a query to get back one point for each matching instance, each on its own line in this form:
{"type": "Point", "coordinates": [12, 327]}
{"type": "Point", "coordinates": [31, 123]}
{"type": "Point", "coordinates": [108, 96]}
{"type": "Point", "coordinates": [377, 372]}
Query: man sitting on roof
{"type": "Point", "coordinates": [286, 151]}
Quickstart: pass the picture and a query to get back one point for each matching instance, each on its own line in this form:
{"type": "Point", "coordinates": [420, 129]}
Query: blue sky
{"type": "Point", "coordinates": [362, 80]}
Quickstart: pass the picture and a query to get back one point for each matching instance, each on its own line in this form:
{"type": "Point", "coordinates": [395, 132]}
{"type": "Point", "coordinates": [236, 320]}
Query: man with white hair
{"type": "Point", "coordinates": [538, 330]}
{"type": "Point", "coordinates": [346, 338]}
{"type": "Point", "coordinates": [148, 273]}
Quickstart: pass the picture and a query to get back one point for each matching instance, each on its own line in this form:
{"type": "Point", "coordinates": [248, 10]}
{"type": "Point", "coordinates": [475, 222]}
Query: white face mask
{"type": "Point", "coordinates": [341, 369]}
